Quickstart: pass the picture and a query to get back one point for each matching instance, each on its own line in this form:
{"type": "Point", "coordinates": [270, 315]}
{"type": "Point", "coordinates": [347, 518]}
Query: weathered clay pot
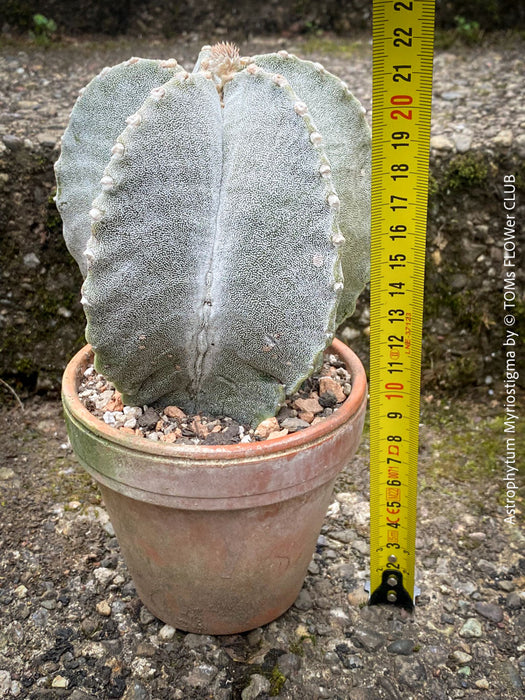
{"type": "Point", "coordinates": [217, 538]}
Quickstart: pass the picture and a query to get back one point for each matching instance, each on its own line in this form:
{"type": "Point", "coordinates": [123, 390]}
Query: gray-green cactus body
{"type": "Point", "coordinates": [216, 266]}
{"type": "Point", "coordinates": [215, 272]}
{"type": "Point", "coordinates": [340, 118]}
{"type": "Point", "coordinates": [97, 119]}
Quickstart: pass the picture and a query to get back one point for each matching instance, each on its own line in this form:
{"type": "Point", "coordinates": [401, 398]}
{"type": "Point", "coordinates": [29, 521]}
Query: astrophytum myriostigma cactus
{"type": "Point", "coordinates": [230, 233]}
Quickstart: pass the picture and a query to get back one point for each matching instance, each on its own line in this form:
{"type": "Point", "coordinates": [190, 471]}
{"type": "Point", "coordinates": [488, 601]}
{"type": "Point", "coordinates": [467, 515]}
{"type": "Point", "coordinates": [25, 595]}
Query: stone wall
{"type": "Point", "coordinates": [41, 320]}
{"type": "Point", "coordinates": [167, 18]}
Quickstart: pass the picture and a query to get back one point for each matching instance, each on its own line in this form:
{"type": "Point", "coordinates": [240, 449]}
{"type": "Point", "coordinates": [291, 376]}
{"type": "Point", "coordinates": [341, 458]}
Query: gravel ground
{"type": "Point", "coordinates": [72, 625]}
{"type": "Point", "coordinates": [476, 89]}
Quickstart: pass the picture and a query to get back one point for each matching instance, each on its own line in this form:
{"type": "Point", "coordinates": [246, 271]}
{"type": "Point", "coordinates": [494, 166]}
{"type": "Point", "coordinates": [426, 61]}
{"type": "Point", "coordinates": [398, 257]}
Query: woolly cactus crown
{"type": "Point", "coordinates": [223, 233]}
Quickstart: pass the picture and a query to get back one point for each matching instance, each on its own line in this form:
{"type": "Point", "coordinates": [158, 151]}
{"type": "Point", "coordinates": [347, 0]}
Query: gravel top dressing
{"type": "Point", "coordinates": [317, 398]}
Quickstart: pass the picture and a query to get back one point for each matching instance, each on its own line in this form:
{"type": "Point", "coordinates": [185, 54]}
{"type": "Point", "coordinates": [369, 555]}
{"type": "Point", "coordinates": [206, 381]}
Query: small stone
{"type": "Point", "coordinates": [166, 633]}
{"type": "Point", "coordinates": [451, 95]}
{"type": "Point", "coordinates": [6, 473]}
{"type": "Point", "coordinates": [463, 142]}
{"type": "Point", "coordinates": [174, 412]}
{"type": "Point", "coordinates": [40, 617]}
{"type": "Point", "coordinates": [259, 686]}
{"type": "Point", "coordinates": [471, 628]}
{"type": "Point", "coordinates": [507, 586]}
{"type": "Point", "coordinates": [20, 591]}
{"type": "Point", "coordinates": [103, 398]}
{"type": "Point", "coordinates": [307, 416]}
{"type": "Point", "coordinates": [200, 430]}
{"type": "Point", "coordinates": [310, 405]}
{"type": "Point", "coordinates": [104, 576]}
{"type": "Point", "coordinates": [503, 138]}
{"type": "Point", "coordinates": [134, 691]}
{"type": "Point", "coordinates": [149, 418]}
{"type": "Point", "coordinates": [289, 664]}
{"type": "Point", "coordinates": [410, 672]}
{"type": "Point", "coordinates": [482, 684]}
{"type": "Point", "coordinates": [490, 611]}
{"type": "Point", "coordinates": [277, 434]}
{"type": "Point", "coordinates": [202, 675]}
{"type": "Point", "coordinates": [115, 403]}
{"type": "Point", "coordinates": [303, 601]}
{"type": "Point", "coordinates": [31, 261]}
{"type": "Point", "coordinates": [441, 143]}
{"type": "Point", "coordinates": [357, 597]}
{"type": "Point", "coordinates": [5, 682]}
{"type": "Point", "coordinates": [146, 649]}
{"type": "Point", "coordinates": [145, 616]}
{"type": "Point", "coordinates": [327, 385]}
{"type": "Point", "coordinates": [513, 601]}
{"type": "Point", "coordinates": [59, 682]}
{"type": "Point", "coordinates": [104, 608]}
{"type": "Point", "coordinates": [294, 424]}
{"type": "Point", "coordinates": [267, 427]}
{"type": "Point", "coordinates": [368, 639]}
{"type": "Point", "coordinates": [403, 647]}
{"type": "Point", "coordinates": [461, 657]}
{"type": "Point", "coordinates": [327, 400]}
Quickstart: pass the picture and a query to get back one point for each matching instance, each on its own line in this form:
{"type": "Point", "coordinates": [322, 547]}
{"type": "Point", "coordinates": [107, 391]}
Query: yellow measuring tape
{"type": "Point", "coordinates": [402, 96]}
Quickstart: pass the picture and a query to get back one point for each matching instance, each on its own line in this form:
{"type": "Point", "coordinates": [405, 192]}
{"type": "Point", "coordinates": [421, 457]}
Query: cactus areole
{"type": "Point", "coordinates": [221, 221]}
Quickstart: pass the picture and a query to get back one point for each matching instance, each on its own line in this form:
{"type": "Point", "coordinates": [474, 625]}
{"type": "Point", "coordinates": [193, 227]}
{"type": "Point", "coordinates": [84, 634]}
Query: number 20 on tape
{"type": "Point", "coordinates": [402, 94]}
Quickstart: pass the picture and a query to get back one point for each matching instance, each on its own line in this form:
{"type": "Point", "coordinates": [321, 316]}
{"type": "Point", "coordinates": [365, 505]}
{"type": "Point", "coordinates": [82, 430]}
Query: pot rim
{"type": "Point", "coordinates": [301, 438]}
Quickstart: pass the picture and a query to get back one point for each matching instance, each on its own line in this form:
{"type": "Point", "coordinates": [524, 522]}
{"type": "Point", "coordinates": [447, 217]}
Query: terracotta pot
{"type": "Point", "coordinates": [217, 538]}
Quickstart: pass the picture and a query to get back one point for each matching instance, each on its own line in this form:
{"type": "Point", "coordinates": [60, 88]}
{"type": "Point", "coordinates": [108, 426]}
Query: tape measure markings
{"type": "Point", "coordinates": [402, 93]}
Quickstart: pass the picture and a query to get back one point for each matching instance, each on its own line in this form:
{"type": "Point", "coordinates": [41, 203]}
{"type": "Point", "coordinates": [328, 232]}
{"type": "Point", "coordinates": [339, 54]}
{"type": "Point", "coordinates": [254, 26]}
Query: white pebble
{"type": "Point", "coordinates": [109, 418]}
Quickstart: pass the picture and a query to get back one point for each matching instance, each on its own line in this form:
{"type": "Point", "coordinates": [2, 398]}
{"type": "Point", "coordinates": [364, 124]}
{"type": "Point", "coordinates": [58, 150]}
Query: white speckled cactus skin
{"type": "Point", "coordinates": [230, 231]}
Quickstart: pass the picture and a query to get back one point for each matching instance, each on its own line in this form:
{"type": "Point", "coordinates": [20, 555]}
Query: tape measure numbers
{"type": "Point", "coordinates": [402, 96]}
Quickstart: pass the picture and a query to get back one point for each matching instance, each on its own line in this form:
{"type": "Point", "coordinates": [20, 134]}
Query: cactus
{"type": "Point", "coordinates": [229, 232]}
